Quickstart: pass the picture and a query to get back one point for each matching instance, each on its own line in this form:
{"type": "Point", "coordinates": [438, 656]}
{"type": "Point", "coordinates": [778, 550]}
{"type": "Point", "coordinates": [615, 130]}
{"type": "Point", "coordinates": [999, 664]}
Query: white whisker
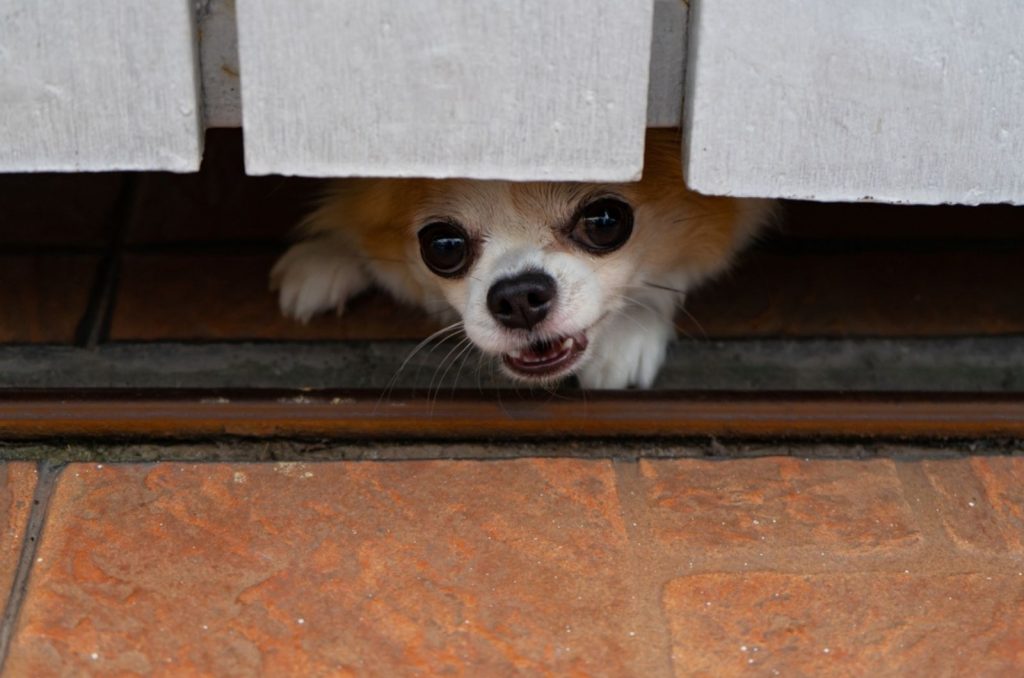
{"type": "Point", "coordinates": [459, 345]}
{"type": "Point", "coordinates": [449, 331]}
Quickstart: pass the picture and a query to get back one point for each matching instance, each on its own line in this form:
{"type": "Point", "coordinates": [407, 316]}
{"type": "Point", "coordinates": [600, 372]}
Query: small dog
{"type": "Point", "coordinates": [553, 278]}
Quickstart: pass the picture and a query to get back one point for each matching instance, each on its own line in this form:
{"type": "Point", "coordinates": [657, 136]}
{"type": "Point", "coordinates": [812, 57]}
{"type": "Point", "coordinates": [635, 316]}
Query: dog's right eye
{"type": "Point", "coordinates": [445, 248]}
{"type": "Point", "coordinates": [604, 225]}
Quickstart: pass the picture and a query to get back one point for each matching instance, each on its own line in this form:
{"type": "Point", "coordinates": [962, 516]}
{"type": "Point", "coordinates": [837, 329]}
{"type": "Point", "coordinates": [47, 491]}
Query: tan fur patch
{"type": "Point", "coordinates": [375, 214]}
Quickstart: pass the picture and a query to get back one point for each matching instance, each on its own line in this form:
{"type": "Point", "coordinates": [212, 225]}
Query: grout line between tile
{"type": "Point", "coordinates": [48, 472]}
{"type": "Point", "coordinates": [94, 326]}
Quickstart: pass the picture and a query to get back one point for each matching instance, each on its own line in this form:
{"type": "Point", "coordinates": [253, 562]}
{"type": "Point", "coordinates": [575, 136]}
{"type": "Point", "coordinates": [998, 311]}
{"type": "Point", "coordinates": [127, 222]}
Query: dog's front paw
{"type": "Point", "coordinates": [317, 275]}
{"type": "Point", "coordinates": [629, 354]}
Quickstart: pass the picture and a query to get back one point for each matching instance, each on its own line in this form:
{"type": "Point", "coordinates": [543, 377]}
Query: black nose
{"type": "Point", "coordinates": [523, 301]}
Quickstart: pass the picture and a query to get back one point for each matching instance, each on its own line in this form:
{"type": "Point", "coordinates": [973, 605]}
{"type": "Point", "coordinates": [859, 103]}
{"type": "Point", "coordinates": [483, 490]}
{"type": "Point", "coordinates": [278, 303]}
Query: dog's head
{"type": "Point", "coordinates": [537, 269]}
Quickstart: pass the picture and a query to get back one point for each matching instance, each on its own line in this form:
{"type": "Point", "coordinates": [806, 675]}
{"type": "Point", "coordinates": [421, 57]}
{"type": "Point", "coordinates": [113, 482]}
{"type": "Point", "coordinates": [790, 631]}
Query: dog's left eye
{"type": "Point", "coordinates": [445, 248]}
{"type": "Point", "coordinates": [604, 225]}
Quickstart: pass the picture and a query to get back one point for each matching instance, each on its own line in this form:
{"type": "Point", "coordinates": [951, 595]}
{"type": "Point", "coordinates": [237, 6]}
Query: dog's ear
{"type": "Point", "coordinates": [362, 205]}
{"type": "Point", "coordinates": [374, 219]}
{"type": "Point", "coordinates": [698, 234]}
{"type": "Point", "coordinates": [663, 155]}
{"type": "Point", "coordinates": [376, 214]}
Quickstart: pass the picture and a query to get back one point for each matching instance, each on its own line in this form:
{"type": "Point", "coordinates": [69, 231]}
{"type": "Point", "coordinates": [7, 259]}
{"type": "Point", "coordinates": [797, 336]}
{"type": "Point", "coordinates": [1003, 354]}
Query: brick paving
{"type": "Point", "coordinates": [847, 623]}
{"type": "Point", "coordinates": [17, 486]}
{"type": "Point", "coordinates": [982, 503]}
{"type": "Point", "coordinates": [760, 566]}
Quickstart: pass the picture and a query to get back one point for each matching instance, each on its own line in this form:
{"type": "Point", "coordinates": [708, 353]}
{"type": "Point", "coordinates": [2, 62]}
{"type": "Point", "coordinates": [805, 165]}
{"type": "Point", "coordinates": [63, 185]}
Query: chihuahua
{"type": "Point", "coordinates": [551, 278]}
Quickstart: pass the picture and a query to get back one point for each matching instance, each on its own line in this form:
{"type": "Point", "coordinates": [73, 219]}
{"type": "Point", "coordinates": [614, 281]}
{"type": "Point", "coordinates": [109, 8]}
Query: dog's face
{"type": "Point", "coordinates": [533, 269]}
{"type": "Point", "coordinates": [538, 271]}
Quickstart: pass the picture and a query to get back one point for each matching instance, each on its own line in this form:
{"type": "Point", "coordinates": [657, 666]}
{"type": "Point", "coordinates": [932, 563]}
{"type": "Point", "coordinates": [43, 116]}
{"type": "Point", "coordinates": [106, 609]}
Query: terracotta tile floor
{"type": "Point", "coordinates": [899, 565]}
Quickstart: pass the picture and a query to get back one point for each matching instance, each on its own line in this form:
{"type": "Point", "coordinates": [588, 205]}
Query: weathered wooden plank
{"type": "Point", "coordinates": [98, 85]}
{"type": "Point", "coordinates": [488, 89]}
{"type": "Point", "coordinates": [910, 101]}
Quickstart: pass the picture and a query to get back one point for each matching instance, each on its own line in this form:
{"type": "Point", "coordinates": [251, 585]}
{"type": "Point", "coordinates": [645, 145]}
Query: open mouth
{"type": "Point", "coordinates": [546, 358]}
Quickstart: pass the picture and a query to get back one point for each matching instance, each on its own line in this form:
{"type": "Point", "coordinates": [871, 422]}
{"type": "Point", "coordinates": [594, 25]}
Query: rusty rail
{"type": "Point", "coordinates": [365, 416]}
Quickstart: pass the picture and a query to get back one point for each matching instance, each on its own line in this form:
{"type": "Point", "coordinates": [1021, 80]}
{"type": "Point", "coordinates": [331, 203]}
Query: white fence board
{"type": "Point", "coordinates": [533, 89]}
{"type": "Point", "coordinates": [909, 101]}
{"type": "Point", "coordinates": [218, 57]}
{"type": "Point", "coordinates": [98, 85]}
